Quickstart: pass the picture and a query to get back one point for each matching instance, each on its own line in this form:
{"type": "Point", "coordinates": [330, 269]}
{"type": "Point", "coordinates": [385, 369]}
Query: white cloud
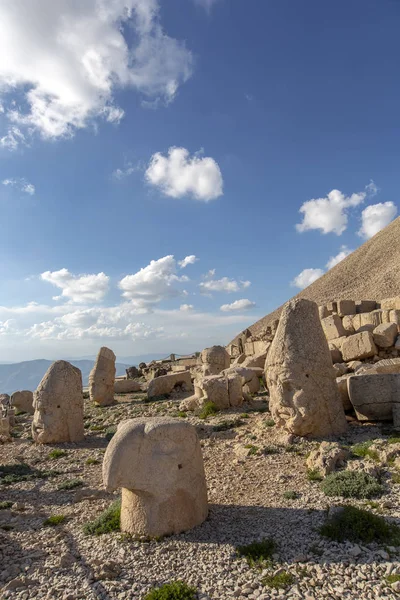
{"type": "Point", "coordinates": [81, 288]}
{"type": "Point", "coordinates": [376, 217]}
{"type": "Point", "coordinates": [329, 214]}
{"type": "Point", "coordinates": [61, 62]}
{"type": "Point", "coordinates": [126, 171]}
{"type": "Point", "coordinates": [206, 4]}
{"type": "Point", "coordinates": [186, 307]}
{"type": "Point", "coordinates": [153, 283]}
{"type": "Point", "coordinates": [20, 184]}
{"type": "Point", "coordinates": [188, 260]}
{"type": "Point", "coordinates": [224, 285]}
{"type": "Point", "coordinates": [178, 175]}
{"type": "Point", "coordinates": [335, 260]}
{"type": "Point", "coordinates": [306, 278]}
{"type": "Point", "coordinates": [242, 304]}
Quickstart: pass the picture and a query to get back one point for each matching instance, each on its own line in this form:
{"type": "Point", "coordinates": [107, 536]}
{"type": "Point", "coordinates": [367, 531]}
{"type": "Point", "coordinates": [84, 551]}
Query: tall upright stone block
{"type": "Point", "coordinates": [102, 377]}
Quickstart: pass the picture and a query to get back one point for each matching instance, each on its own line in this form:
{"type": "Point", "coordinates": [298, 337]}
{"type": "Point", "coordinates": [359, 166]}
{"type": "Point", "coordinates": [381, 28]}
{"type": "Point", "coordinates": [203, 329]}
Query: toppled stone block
{"type": "Point", "coordinates": [385, 335]}
{"type": "Point", "coordinates": [344, 394]}
{"type": "Point", "coordinates": [346, 307]}
{"type": "Point", "coordinates": [126, 386]}
{"type": "Point", "coordinates": [373, 396]}
{"type": "Point", "coordinates": [255, 361]}
{"type": "Point", "coordinates": [165, 384]}
{"type": "Point", "coordinates": [358, 346]}
{"type": "Point", "coordinates": [388, 365]}
{"type": "Point", "coordinates": [333, 327]}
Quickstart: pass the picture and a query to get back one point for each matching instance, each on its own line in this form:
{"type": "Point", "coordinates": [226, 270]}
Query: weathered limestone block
{"type": "Point", "coordinates": [348, 325]}
{"type": "Point", "coordinates": [101, 378]}
{"type": "Point", "coordinates": [391, 303]}
{"type": "Point", "coordinates": [332, 307]}
{"type": "Point", "coordinates": [255, 361]}
{"type": "Point", "coordinates": [388, 365]}
{"type": "Point", "coordinates": [58, 405]}
{"type": "Point", "coordinates": [373, 396]}
{"type": "Point", "coordinates": [126, 386]}
{"type": "Point", "coordinates": [343, 391]}
{"type": "Point", "coordinates": [235, 392]}
{"type": "Point", "coordinates": [385, 335]}
{"type": "Point", "coordinates": [363, 306]}
{"type": "Point", "coordinates": [5, 429]}
{"type": "Point", "coordinates": [346, 307]}
{"type": "Point", "coordinates": [249, 348]}
{"type": "Point", "coordinates": [214, 360]}
{"type": "Point", "coordinates": [304, 397]}
{"type": "Point", "coordinates": [159, 466]}
{"type": "Point", "coordinates": [358, 346]}
{"type": "Point", "coordinates": [324, 312]}
{"type": "Point", "coordinates": [164, 385]}
{"type": "Point", "coordinates": [261, 346]}
{"type": "Point", "coordinates": [336, 354]}
{"type": "Point", "coordinates": [333, 327]}
{"type": "Point", "coordinates": [329, 457]}
{"type": "Point", "coordinates": [4, 400]}
{"type": "Point", "coordinates": [394, 317]}
{"type": "Point", "coordinates": [338, 342]}
{"type": "Point", "coordinates": [23, 401]}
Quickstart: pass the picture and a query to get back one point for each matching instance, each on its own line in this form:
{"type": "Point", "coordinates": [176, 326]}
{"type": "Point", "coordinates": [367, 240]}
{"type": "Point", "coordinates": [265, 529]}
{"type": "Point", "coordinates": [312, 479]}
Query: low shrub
{"type": "Point", "coordinates": [252, 450]}
{"type": "Point", "coordinates": [351, 484]}
{"type": "Point", "coordinates": [18, 472]}
{"type": "Point", "coordinates": [314, 475]}
{"type": "Point", "coordinates": [281, 580]}
{"type": "Point", "coordinates": [110, 432]}
{"type": "Point", "coordinates": [208, 410]}
{"type": "Point", "coordinates": [54, 520]}
{"type": "Point", "coordinates": [92, 461]}
{"type": "Point", "coordinates": [364, 450]}
{"type": "Point", "coordinates": [70, 485]}
{"type": "Point", "coordinates": [177, 590]}
{"type": "Point", "coordinates": [5, 504]}
{"type": "Point", "coordinates": [257, 553]}
{"type": "Point", "coordinates": [358, 525]}
{"type": "Point", "coordinates": [394, 440]}
{"type": "Point", "coordinates": [226, 425]}
{"type": "Point", "coordinates": [291, 495]}
{"type": "Point", "coordinates": [392, 578]}
{"type": "Point", "coordinates": [270, 450]}
{"type": "Point", "coordinates": [106, 522]}
{"type": "Point", "coordinates": [56, 453]}
{"type": "Point", "coordinates": [269, 423]}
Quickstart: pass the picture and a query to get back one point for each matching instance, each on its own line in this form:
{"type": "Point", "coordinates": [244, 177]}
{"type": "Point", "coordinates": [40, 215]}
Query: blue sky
{"type": "Point", "coordinates": [135, 131]}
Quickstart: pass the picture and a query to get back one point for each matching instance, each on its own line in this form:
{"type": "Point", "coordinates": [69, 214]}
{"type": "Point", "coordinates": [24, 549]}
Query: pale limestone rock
{"type": "Point", "coordinates": [126, 386]}
{"type": "Point", "coordinates": [249, 377]}
{"type": "Point", "coordinates": [346, 307]}
{"type": "Point", "coordinates": [391, 303]}
{"type": "Point", "coordinates": [344, 394]}
{"type": "Point", "coordinates": [101, 378]}
{"type": "Point", "coordinates": [373, 396]}
{"type": "Point", "coordinates": [394, 317]}
{"type": "Point", "coordinates": [388, 365]}
{"type": "Point", "coordinates": [358, 346]}
{"type": "Point", "coordinates": [214, 360]}
{"type": "Point", "coordinates": [23, 401]}
{"type": "Point", "coordinates": [347, 323]}
{"type": "Point", "coordinates": [159, 466]}
{"type": "Point", "coordinates": [323, 312]}
{"type": "Point", "coordinates": [58, 405]}
{"type": "Point", "coordinates": [333, 327]}
{"type": "Point", "coordinates": [4, 400]}
{"type": "Point", "coordinates": [304, 397]}
{"type": "Point", "coordinates": [385, 335]}
{"type": "Point", "coordinates": [336, 354]}
{"type": "Point", "coordinates": [5, 429]}
{"type": "Point", "coordinates": [235, 390]}
{"type": "Point", "coordinates": [329, 457]}
{"type": "Point", "coordinates": [257, 361]}
{"type": "Point", "coordinates": [165, 384]}
{"type": "Point", "coordinates": [355, 365]}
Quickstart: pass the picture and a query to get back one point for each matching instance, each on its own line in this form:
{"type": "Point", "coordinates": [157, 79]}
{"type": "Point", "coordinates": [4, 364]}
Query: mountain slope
{"type": "Point", "coordinates": [372, 272]}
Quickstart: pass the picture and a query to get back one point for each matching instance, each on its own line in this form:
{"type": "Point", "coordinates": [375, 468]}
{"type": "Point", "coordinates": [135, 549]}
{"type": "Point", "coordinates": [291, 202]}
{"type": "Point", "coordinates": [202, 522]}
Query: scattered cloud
{"type": "Point", "coordinates": [223, 285]}
{"type": "Point", "coordinates": [188, 260]}
{"type": "Point", "coordinates": [329, 214]}
{"type": "Point", "coordinates": [20, 184]}
{"type": "Point", "coordinates": [152, 284]}
{"type": "Point", "coordinates": [335, 260]}
{"type": "Point", "coordinates": [376, 217]}
{"type": "Point", "coordinates": [178, 174]}
{"type": "Point", "coordinates": [78, 288]}
{"type": "Point", "coordinates": [61, 63]}
{"type": "Point", "coordinates": [306, 278]}
{"type": "Point", "coordinates": [206, 4]}
{"type": "Point", "coordinates": [126, 171]}
{"type": "Point", "coordinates": [242, 304]}
{"type": "Point", "coordinates": [186, 307]}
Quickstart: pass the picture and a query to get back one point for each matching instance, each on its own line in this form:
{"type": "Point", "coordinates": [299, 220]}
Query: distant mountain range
{"type": "Point", "coordinates": [28, 374]}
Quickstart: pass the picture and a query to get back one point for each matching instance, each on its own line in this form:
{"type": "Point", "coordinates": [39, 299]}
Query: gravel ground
{"type": "Point", "coordinates": [248, 469]}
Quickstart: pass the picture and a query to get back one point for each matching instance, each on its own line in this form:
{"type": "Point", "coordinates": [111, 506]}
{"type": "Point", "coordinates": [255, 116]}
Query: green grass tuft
{"type": "Point", "coordinates": [177, 590]}
{"type": "Point", "coordinates": [108, 521]}
{"type": "Point", "coordinates": [54, 520]}
{"type": "Point", "coordinates": [252, 450]}
{"type": "Point", "coordinates": [351, 484]}
{"type": "Point", "coordinates": [269, 423]}
{"type": "Point", "coordinates": [18, 472]}
{"type": "Point", "coordinates": [281, 580]}
{"type": "Point", "coordinates": [358, 525]}
{"type": "Point", "coordinates": [257, 553]}
{"type": "Point", "coordinates": [70, 485]}
{"type": "Point", "coordinates": [56, 453]}
{"type": "Point", "coordinates": [364, 450]}
{"type": "Point", "coordinates": [5, 504]}
{"type": "Point", "coordinates": [394, 440]}
{"type": "Point", "coordinates": [270, 450]}
{"type": "Point", "coordinates": [208, 410]}
{"type": "Point", "coordinates": [110, 432]}
{"type": "Point", "coordinates": [291, 495]}
{"type": "Point", "coordinates": [226, 425]}
{"type": "Point", "coordinates": [396, 477]}
{"type": "Point", "coordinates": [92, 461]}
{"type": "Point", "coordinates": [314, 475]}
{"type": "Point", "coordinates": [392, 578]}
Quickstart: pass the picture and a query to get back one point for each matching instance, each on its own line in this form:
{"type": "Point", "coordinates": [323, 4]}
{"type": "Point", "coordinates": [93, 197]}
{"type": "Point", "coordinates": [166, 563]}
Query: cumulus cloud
{"type": "Point", "coordinates": [376, 217]}
{"type": "Point", "coordinates": [335, 260]}
{"type": "Point", "coordinates": [186, 307]}
{"type": "Point", "coordinates": [243, 304]}
{"type": "Point", "coordinates": [223, 285]}
{"type": "Point", "coordinates": [306, 278]}
{"type": "Point", "coordinates": [188, 260]}
{"type": "Point", "coordinates": [61, 62]}
{"type": "Point", "coordinates": [78, 288]}
{"type": "Point", "coordinates": [329, 214]}
{"type": "Point", "coordinates": [153, 283]}
{"type": "Point", "coordinates": [178, 174]}
{"type": "Point", "coordinates": [20, 184]}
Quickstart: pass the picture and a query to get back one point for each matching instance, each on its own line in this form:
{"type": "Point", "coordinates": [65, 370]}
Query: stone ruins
{"type": "Point", "coordinates": [102, 378]}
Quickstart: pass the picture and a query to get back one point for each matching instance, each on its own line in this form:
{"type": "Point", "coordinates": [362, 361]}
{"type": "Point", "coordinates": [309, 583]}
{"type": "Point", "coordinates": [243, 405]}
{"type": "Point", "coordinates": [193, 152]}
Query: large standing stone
{"type": "Point", "coordinates": [304, 397]}
{"type": "Point", "coordinates": [159, 466]}
{"type": "Point", "coordinates": [23, 401]}
{"type": "Point", "coordinates": [101, 378]}
{"type": "Point", "coordinates": [58, 405]}
{"type": "Point", "coordinates": [214, 360]}
{"type": "Point", "coordinates": [373, 396]}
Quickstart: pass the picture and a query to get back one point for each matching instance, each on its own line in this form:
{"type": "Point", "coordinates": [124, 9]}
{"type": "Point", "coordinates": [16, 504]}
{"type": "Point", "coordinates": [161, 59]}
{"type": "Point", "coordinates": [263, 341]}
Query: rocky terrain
{"type": "Point", "coordinates": [259, 488]}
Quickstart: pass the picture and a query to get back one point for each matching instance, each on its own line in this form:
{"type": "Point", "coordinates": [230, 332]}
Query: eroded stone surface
{"type": "Point", "coordinates": [101, 378]}
{"type": "Point", "coordinates": [373, 396]}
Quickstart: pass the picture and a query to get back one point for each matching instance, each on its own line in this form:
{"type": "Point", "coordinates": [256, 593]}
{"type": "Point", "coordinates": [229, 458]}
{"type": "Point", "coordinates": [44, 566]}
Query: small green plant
{"type": "Point", "coordinates": [351, 484]}
{"type": "Point", "coordinates": [56, 453]}
{"type": "Point", "coordinates": [314, 475]}
{"type": "Point", "coordinates": [244, 416]}
{"type": "Point", "coordinates": [92, 461]}
{"type": "Point", "coordinates": [107, 521]}
{"type": "Point", "coordinates": [269, 423]}
{"type": "Point", "coordinates": [371, 504]}
{"type": "Point", "coordinates": [358, 525]}
{"type": "Point", "coordinates": [257, 553]}
{"type": "Point", "coordinates": [17, 472]}
{"type": "Point", "coordinates": [209, 409]}
{"type": "Point", "coordinates": [110, 432]}
{"type": "Point", "coordinates": [396, 477]}
{"type": "Point", "coordinates": [54, 520]}
{"type": "Point", "coordinates": [394, 440]}
{"type": "Point", "coordinates": [392, 578]}
{"type": "Point", "coordinates": [294, 448]}
{"type": "Point", "coordinates": [290, 495]}
{"type": "Point", "coordinates": [226, 425]}
{"type": "Point", "coordinates": [364, 450]}
{"type": "Point", "coordinates": [252, 450]}
{"type": "Point", "coordinates": [182, 414]}
{"type": "Point", "coordinates": [5, 504]}
{"type": "Point", "coordinates": [281, 580]}
{"type": "Point", "coordinates": [270, 450]}
{"type": "Point", "coordinates": [177, 590]}
{"type": "Point", "coordinates": [96, 427]}
{"type": "Point", "coordinates": [86, 395]}
{"type": "Point", "coordinates": [70, 485]}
